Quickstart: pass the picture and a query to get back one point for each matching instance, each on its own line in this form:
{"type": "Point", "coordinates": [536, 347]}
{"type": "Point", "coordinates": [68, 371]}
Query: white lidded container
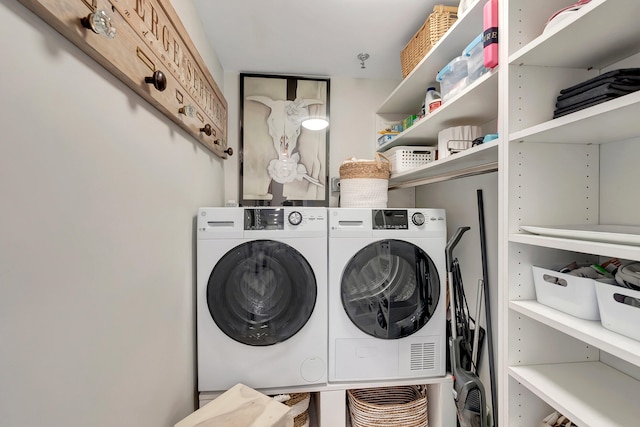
{"type": "Point", "coordinates": [453, 77]}
{"type": "Point", "coordinates": [569, 294]}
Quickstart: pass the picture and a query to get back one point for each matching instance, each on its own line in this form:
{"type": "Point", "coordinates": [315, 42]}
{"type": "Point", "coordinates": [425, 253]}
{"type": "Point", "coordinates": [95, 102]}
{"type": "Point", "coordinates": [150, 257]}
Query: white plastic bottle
{"type": "Point", "coordinates": [432, 100]}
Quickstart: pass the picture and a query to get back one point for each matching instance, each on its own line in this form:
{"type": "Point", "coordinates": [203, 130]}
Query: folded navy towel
{"type": "Point", "coordinates": [602, 88]}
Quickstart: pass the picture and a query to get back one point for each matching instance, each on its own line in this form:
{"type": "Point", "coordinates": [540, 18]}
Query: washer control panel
{"type": "Point", "coordinates": [264, 219]}
{"type": "Point", "coordinates": [284, 219]}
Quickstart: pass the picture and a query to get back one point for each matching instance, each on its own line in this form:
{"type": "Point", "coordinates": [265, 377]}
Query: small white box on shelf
{"type": "Point", "coordinates": [456, 138]}
{"type": "Point", "coordinates": [570, 294]}
{"type": "Point", "coordinates": [619, 309]}
{"type": "Point", "coordinates": [387, 137]}
{"type": "Point", "coordinates": [404, 158]}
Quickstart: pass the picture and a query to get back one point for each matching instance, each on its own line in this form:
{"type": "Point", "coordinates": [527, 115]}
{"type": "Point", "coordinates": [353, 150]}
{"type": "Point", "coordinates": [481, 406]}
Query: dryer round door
{"type": "Point", "coordinates": [390, 289]}
{"type": "Point", "coordinates": [261, 292]}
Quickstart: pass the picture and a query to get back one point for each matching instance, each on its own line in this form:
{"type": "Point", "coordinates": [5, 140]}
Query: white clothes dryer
{"type": "Point", "coordinates": [261, 297]}
{"type": "Point", "coordinates": [387, 287]}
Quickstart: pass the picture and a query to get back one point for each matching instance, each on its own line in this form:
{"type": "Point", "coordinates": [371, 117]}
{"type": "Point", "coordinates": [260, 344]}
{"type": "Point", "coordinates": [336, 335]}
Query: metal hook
{"type": "Point", "coordinates": [363, 57]}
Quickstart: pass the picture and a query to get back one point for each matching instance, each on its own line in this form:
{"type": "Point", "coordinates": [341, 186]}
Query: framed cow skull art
{"type": "Point", "coordinates": [282, 161]}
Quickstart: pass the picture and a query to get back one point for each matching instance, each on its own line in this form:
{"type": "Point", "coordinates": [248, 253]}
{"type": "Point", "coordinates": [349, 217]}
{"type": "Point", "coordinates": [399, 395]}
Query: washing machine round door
{"type": "Point", "coordinates": [390, 289]}
{"type": "Point", "coordinates": [261, 292]}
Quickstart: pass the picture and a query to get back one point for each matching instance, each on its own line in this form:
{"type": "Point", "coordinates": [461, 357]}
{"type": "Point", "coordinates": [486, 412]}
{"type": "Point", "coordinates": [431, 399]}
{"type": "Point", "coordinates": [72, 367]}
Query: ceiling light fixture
{"type": "Point", "coordinates": [315, 123]}
{"type": "Point", "coordinates": [362, 57]}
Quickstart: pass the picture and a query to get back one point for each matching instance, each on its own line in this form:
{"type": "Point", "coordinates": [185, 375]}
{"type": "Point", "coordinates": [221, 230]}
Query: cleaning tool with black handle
{"type": "Point", "coordinates": [487, 308]}
{"type": "Point", "coordinates": [468, 391]}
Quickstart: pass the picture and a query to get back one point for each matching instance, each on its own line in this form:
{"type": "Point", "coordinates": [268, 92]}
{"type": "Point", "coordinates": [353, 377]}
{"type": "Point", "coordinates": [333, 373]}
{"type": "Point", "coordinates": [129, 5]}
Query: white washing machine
{"type": "Point", "coordinates": [261, 297]}
{"type": "Point", "coordinates": [387, 287]}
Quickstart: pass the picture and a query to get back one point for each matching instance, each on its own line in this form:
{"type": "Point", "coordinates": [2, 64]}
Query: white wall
{"type": "Point", "coordinates": [98, 194]}
{"type": "Point", "coordinates": [353, 106]}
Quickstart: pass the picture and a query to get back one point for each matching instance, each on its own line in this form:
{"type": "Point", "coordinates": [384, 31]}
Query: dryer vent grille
{"type": "Point", "coordinates": [423, 356]}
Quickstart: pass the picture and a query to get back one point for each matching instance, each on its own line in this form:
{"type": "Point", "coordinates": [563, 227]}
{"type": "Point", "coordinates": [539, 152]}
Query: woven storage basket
{"type": "Point", "coordinates": [438, 22]}
{"type": "Point", "coordinates": [364, 183]}
{"type": "Point", "coordinates": [401, 406]}
{"type": "Point", "coordinates": [299, 404]}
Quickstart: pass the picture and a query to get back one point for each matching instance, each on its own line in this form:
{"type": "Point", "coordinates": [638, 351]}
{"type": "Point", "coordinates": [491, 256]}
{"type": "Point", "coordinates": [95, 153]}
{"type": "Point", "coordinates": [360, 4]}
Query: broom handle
{"type": "Point", "coordinates": [487, 308]}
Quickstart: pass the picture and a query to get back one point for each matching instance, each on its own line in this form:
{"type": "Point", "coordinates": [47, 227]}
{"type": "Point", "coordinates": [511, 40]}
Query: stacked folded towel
{"type": "Point", "coordinates": [597, 90]}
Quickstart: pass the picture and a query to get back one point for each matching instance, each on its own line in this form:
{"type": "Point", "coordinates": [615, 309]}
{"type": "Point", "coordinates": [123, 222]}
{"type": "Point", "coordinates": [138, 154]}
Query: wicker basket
{"type": "Point", "coordinates": [438, 22]}
{"type": "Point", "coordinates": [364, 183]}
{"type": "Point", "coordinates": [378, 168]}
{"type": "Point", "coordinates": [299, 404]}
{"type": "Point", "coordinates": [402, 406]}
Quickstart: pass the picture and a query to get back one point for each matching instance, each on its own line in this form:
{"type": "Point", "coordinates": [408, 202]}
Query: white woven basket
{"type": "Point", "coordinates": [363, 192]}
{"type": "Point", "coordinates": [364, 183]}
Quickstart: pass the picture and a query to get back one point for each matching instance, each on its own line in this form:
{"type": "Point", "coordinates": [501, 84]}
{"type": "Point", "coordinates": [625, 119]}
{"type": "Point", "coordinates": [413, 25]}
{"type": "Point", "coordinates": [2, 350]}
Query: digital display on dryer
{"type": "Point", "coordinates": [264, 219]}
{"type": "Point", "coordinates": [390, 219]}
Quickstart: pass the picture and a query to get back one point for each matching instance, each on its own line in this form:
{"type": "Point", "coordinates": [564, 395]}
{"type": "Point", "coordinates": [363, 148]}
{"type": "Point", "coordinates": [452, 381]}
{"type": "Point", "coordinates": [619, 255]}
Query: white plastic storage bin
{"type": "Point", "coordinates": [619, 309]}
{"type": "Point", "coordinates": [474, 53]}
{"type": "Point", "coordinates": [569, 294]}
{"type": "Point", "coordinates": [453, 78]}
{"type": "Point", "coordinates": [404, 158]}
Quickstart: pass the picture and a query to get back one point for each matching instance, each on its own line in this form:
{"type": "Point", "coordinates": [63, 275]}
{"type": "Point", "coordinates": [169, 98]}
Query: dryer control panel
{"type": "Point", "coordinates": [390, 219]}
{"type": "Point", "coordinates": [401, 219]}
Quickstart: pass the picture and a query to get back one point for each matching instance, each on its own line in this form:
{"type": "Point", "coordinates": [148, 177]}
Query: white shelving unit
{"type": "Point", "coordinates": [329, 402]}
{"type": "Point", "coordinates": [556, 172]}
{"type": "Point", "coordinates": [479, 159]}
{"type": "Point", "coordinates": [590, 331]}
{"type": "Point", "coordinates": [408, 96]}
{"type": "Point", "coordinates": [476, 105]}
{"type": "Point", "coordinates": [588, 393]}
{"type": "Point", "coordinates": [577, 169]}
{"type": "Point", "coordinates": [599, 124]}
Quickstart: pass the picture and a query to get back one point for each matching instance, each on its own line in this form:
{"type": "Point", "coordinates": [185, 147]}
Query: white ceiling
{"type": "Point", "coordinates": [316, 38]}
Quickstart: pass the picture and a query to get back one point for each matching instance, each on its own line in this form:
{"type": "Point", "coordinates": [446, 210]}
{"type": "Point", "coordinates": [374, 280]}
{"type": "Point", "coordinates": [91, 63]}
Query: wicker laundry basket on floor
{"type": "Point", "coordinates": [401, 406]}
